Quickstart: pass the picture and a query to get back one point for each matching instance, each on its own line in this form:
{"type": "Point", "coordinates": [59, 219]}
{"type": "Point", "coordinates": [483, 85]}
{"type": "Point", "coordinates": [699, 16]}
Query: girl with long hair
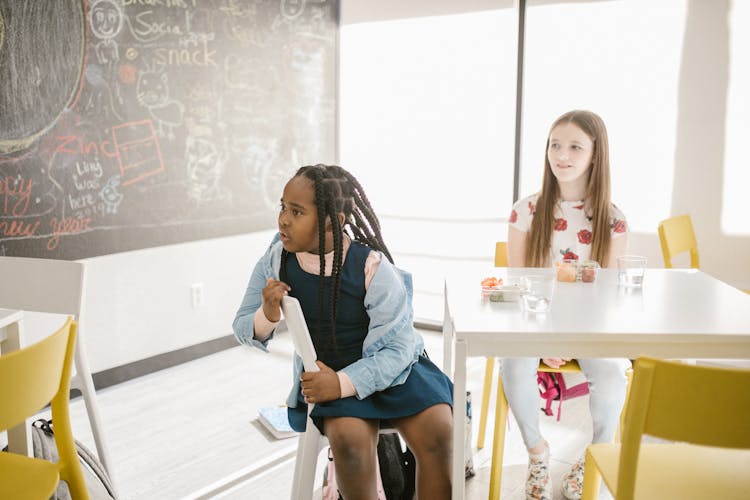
{"type": "Point", "coordinates": [572, 217]}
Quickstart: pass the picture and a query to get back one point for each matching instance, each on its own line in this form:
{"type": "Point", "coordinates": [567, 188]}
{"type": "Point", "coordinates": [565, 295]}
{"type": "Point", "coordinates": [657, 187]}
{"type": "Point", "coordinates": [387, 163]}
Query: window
{"type": "Point", "coordinates": [427, 114]}
{"type": "Point", "coordinates": [427, 124]}
{"type": "Point", "coordinates": [623, 65]}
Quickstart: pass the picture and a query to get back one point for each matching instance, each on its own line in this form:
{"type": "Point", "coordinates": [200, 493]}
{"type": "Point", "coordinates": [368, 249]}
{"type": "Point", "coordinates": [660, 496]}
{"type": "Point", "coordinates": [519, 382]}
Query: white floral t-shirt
{"type": "Point", "coordinates": [572, 236]}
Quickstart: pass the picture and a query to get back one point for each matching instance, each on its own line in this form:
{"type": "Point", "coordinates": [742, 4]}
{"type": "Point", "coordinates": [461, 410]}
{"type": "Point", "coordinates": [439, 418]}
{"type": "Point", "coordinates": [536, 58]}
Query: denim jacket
{"type": "Point", "coordinates": [391, 346]}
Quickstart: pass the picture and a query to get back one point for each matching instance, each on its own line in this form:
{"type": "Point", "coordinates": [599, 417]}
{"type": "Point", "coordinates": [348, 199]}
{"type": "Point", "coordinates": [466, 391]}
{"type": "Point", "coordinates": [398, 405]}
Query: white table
{"type": "Point", "coordinates": [11, 339]}
{"type": "Point", "coordinates": [679, 313]}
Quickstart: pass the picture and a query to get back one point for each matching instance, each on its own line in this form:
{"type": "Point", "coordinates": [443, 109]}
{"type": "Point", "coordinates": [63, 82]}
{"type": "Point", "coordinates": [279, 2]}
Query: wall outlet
{"type": "Point", "coordinates": [197, 298]}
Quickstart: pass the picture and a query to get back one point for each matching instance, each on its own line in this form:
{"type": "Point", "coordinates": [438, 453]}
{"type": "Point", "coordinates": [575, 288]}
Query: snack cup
{"type": "Point", "coordinates": [588, 270]}
{"type": "Point", "coordinates": [567, 270]}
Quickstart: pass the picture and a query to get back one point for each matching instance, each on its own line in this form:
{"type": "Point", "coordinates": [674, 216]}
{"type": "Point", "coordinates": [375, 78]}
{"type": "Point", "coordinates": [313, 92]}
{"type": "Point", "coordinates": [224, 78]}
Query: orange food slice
{"type": "Point", "coordinates": [492, 282]}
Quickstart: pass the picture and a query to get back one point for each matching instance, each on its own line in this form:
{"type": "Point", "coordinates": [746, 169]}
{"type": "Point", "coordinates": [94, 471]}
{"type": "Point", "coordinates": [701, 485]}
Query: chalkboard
{"type": "Point", "coordinates": [128, 124]}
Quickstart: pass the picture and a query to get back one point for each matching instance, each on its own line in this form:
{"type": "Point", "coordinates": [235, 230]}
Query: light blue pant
{"type": "Point", "coordinates": [607, 386]}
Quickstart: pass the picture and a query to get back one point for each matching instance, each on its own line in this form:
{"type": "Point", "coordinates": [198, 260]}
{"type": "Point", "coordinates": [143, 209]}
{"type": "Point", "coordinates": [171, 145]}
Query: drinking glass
{"type": "Point", "coordinates": [630, 270]}
{"type": "Point", "coordinates": [537, 292]}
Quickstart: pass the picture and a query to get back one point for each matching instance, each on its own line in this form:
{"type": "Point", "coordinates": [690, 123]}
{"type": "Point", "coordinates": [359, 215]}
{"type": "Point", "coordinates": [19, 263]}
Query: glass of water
{"type": "Point", "coordinates": [630, 270]}
{"type": "Point", "coordinates": [537, 291]}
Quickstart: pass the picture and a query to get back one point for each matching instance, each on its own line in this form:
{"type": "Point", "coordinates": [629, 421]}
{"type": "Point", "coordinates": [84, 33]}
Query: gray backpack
{"type": "Point", "coordinates": [96, 477]}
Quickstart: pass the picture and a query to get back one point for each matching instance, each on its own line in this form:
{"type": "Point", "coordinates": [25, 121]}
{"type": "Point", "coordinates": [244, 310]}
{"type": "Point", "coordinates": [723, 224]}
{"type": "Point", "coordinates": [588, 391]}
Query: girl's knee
{"type": "Point", "coordinates": [350, 445]}
{"type": "Point", "coordinates": [442, 438]}
{"type": "Point", "coordinates": [518, 368]}
{"type": "Point", "coordinates": [519, 380]}
{"type": "Point", "coordinates": [606, 375]}
{"type": "Point", "coordinates": [429, 434]}
{"type": "Point", "coordinates": [348, 448]}
{"type": "Point", "coordinates": [354, 461]}
{"type": "Point", "coordinates": [436, 441]}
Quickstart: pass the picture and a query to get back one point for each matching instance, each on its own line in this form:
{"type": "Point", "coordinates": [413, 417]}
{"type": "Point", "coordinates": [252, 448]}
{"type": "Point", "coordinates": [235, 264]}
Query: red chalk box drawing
{"type": "Point", "coordinates": [138, 151]}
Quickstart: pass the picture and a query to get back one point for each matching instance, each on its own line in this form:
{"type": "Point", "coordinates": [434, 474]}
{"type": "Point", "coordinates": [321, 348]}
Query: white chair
{"type": "Point", "coordinates": [311, 442]}
{"type": "Point", "coordinates": [56, 287]}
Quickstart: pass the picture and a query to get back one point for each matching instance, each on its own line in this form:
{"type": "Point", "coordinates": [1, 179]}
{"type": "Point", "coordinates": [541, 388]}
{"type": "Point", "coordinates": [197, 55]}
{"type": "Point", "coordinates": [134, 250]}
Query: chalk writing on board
{"type": "Point", "coordinates": [135, 123]}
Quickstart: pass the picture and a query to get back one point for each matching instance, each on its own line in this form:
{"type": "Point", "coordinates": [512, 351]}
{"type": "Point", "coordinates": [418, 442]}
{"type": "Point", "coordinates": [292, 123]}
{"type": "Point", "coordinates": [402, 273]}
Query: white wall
{"type": "Point", "coordinates": [138, 303]}
{"type": "Point", "coordinates": [700, 160]}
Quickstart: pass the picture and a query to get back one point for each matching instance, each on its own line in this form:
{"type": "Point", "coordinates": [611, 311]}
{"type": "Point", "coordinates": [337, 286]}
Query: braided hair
{"type": "Point", "coordinates": [339, 192]}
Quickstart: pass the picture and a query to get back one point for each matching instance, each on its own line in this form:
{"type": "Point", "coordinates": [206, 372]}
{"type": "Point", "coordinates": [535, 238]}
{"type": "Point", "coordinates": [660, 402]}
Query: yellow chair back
{"type": "Point", "coordinates": [696, 404]}
{"type": "Point", "coordinates": [676, 236]}
{"type": "Point", "coordinates": [31, 378]}
{"type": "Point", "coordinates": [501, 254]}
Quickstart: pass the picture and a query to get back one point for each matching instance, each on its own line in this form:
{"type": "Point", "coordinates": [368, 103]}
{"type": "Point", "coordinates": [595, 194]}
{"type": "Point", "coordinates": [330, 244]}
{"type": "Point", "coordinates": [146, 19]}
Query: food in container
{"type": "Point", "coordinates": [493, 289]}
{"type": "Point", "coordinates": [507, 293]}
{"type": "Point", "coordinates": [567, 270]}
{"type": "Point", "coordinates": [573, 270]}
{"type": "Point", "coordinates": [588, 270]}
{"type": "Point", "coordinates": [491, 282]}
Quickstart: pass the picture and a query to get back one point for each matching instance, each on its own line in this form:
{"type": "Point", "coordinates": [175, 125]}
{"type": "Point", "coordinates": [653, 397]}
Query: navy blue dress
{"type": "Point", "coordinates": [426, 384]}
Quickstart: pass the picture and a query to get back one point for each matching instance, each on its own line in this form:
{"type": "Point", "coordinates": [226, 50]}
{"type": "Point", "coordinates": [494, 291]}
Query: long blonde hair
{"type": "Point", "coordinates": [597, 200]}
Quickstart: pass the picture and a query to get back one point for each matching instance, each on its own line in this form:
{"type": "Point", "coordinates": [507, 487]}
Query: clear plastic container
{"type": "Point", "coordinates": [587, 271]}
{"type": "Point", "coordinates": [567, 270]}
{"type": "Point", "coordinates": [570, 270]}
{"type": "Point", "coordinates": [505, 293]}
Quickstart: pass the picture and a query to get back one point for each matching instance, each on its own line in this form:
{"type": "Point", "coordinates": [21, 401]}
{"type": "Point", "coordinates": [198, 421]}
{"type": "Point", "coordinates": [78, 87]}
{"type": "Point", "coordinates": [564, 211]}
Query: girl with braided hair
{"type": "Point", "coordinates": [329, 254]}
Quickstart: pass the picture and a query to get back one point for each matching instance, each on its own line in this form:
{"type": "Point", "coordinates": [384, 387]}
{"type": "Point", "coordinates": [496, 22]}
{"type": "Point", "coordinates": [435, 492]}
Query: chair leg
{"type": "Point", "coordinates": [618, 431]}
{"type": "Point", "coordinates": [591, 479]}
{"type": "Point", "coordinates": [19, 437]}
{"type": "Point", "coordinates": [488, 372]}
{"type": "Point", "coordinates": [498, 442]}
{"type": "Point", "coordinates": [305, 464]}
{"type": "Point", "coordinates": [82, 381]}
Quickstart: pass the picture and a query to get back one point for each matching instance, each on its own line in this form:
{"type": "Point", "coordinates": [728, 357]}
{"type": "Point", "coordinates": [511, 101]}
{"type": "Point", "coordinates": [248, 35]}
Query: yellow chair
{"type": "Point", "coordinates": [501, 254]}
{"type": "Point", "coordinates": [31, 378]}
{"type": "Point", "coordinates": [705, 406]}
{"type": "Point", "coordinates": [676, 236]}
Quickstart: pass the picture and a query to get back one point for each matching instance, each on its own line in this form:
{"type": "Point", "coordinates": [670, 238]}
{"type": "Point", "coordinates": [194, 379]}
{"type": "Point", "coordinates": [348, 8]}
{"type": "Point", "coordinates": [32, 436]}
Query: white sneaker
{"type": "Point", "coordinates": [538, 484]}
{"type": "Point", "coordinates": [572, 483]}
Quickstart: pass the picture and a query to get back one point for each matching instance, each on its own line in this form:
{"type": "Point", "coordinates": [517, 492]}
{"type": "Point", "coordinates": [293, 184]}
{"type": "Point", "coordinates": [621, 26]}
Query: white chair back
{"type": "Point", "coordinates": [311, 442]}
{"type": "Point", "coordinates": [295, 322]}
{"type": "Point", "coordinates": [42, 285]}
{"type": "Point", "coordinates": [57, 287]}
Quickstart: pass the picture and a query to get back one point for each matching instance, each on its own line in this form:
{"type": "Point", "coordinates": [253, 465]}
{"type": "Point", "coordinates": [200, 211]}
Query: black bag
{"type": "Point", "coordinates": [96, 477]}
{"type": "Point", "coordinates": [397, 468]}
{"type": "Point", "coordinates": [397, 471]}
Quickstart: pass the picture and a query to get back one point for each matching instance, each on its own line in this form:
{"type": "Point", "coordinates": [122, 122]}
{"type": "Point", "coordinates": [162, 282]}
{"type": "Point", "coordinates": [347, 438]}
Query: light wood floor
{"type": "Point", "coordinates": [190, 431]}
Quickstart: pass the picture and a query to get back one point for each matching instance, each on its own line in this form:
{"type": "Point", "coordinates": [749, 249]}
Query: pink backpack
{"type": "Point", "coordinates": [552, 387]}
